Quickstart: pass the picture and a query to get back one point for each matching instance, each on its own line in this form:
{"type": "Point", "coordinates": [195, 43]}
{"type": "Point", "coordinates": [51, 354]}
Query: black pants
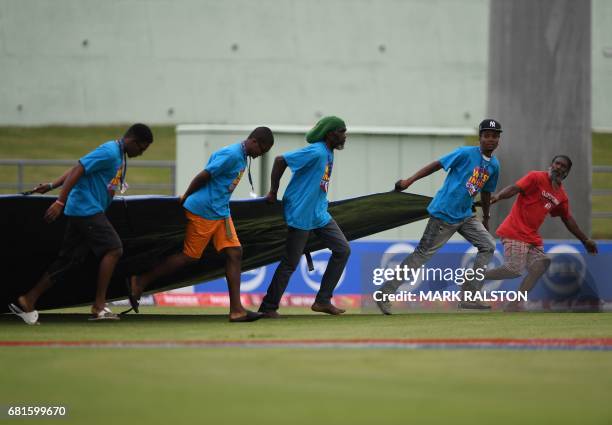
{"type": "Point", "coordinates": [83, 234]}
{"type": "Point", "coordinates": [334, 239]}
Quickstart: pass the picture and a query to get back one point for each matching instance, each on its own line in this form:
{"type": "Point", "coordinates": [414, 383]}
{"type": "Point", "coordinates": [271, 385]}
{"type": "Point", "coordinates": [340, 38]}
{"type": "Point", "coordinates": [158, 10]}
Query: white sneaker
{"type": "Point", "coordinates": [104, 314]}
{"type": "Point", "coordinates": [31, 318]}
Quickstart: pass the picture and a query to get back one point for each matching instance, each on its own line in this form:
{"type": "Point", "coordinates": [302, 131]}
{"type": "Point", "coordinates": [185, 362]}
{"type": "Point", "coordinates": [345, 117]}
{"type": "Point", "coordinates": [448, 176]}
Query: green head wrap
{"type": "Point", "coordinates": [324, 126]}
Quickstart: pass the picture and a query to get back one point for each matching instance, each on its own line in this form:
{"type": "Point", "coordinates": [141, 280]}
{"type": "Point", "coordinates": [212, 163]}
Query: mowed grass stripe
{"type": "Point", "coordinates": [305, 386]}
{"type": "Point", "coordinates": [604, 344]}
{"type": "Point", "coordinates": [172, 324]}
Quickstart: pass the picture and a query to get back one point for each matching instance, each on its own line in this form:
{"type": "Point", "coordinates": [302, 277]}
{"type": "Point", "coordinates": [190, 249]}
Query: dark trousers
{"type": "Point", "coordinates": [83, 234]}
{"type": "Point", "coordinates": [334, 239]}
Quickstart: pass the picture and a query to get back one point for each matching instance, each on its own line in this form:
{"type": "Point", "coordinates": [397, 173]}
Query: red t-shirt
{"type": "Point", "coordinates": [537, 199]}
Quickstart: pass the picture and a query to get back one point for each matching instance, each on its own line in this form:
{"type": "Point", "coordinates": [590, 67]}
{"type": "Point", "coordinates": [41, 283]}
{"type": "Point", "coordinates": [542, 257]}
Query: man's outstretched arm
{"type": "Point", "coordinates": [423, 172]}
{"type": "Point", "coordinates": [505, 193]}
{"type": "Point", "coordinates": [70, 178]}
{"type": "Point", "coordinates": [279, 167]}
{"type": "Point", "coordinates": [572, 226]}
{"type": "Point", "coordinates": [46, 187]}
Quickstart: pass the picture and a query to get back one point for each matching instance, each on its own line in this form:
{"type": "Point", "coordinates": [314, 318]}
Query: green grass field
{"type": "Point", "coordinates": [310, 385]}
{"type": "Point", "coordinates": [296, 385]}
{"type": "Point", "coordinates": [58, 142]}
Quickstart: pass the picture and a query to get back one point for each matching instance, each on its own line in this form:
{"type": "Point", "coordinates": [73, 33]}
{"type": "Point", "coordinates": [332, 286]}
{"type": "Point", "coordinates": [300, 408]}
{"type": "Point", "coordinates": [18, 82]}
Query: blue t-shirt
{"type": "Point", "coordinates": [94, 191]}
{"type": "Point", "coordinates": [226, 167]}
{"type": "Point", "coordinates": [470, 173]}
{"type": "Point", "coordinates": [305, 200]}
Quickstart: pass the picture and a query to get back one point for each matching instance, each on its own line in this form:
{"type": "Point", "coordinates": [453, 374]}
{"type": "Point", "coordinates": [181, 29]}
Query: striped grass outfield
{"type": "Point", "coordinates": [59, 142]}
{"type": "Point", "coordinates": [285, 383]}
{"type": "Point", "coordinates": [535, 344]}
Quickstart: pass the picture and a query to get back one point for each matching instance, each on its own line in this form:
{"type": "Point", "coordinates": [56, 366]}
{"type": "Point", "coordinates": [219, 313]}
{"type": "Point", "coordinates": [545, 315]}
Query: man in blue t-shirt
{"type": "Point", "coordinates": [305, 209]}
{"type": "Point", "coordinates": [87, 191]}
{"type": "Point", "coordinates": [471, 170]}
{"type": "Point", "coordinates": [207, 210]}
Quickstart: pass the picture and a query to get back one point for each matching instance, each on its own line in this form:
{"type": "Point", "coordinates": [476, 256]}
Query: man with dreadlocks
{"type": "Point", "coordinates": [539, 193]}
{"type": "Point", "coordinates": [305, 209]}
{"type": "Point", "coordinates": [206, 204]}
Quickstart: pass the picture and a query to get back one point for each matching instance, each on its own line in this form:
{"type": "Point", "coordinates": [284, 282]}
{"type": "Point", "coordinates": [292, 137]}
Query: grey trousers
{"type": "Point", "coordinates": [436, 234]}
{"type": "Point", "coordinates": [334, 239]}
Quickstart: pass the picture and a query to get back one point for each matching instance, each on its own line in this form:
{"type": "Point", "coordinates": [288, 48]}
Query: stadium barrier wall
{"type": "Point", "coordinates": [573, 279]}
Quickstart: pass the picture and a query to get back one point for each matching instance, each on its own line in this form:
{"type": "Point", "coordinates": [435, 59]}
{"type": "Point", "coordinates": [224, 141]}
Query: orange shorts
{"type": "Point", "coordinates": [199, 231]}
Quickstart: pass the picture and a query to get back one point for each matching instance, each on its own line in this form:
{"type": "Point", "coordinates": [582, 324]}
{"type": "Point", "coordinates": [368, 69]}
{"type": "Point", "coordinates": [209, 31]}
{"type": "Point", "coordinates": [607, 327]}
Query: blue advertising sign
{"type": "Point", "coordinates": [572, 273]}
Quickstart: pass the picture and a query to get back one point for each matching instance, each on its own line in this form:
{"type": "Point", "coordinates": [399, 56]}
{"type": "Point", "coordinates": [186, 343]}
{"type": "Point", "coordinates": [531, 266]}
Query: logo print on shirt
{"type": "Point", "coordinates": [480, 175]}
{"type": "Point", "coordinates": [115, 183]}
{"type": "Point", "coordinates": [233, 185]}
{"type": "Point", "coordinates": [324, 185]}
{"type": "Point", "coordinates": [552, 200]}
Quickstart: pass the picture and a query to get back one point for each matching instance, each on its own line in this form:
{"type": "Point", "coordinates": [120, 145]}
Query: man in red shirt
{"type": "Point", "coordinates": [539, 193]}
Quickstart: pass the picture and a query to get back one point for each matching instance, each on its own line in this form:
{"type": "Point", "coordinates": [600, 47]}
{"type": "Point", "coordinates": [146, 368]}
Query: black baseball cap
{"type": "Point", "coordinates": [489, 124]}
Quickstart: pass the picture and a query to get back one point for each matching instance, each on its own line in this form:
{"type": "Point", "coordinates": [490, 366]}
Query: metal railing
{"type": "Point", "coordinates": [20, 185]}
{"type": "Point", "coordinates": [601, 192]}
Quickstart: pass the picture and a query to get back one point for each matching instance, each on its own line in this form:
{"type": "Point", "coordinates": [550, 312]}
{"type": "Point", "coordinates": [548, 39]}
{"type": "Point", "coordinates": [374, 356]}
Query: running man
{"type": "Point", "coordinates": [87, 191]}
{"type": "Point", "coordinates": [305, 209]}
{"type": "Point", "coordinates": [206, 204]}
{"type": "Point", "coordinates": [471, 170]}
{"type": "Point", "coordinates": [539, 193]}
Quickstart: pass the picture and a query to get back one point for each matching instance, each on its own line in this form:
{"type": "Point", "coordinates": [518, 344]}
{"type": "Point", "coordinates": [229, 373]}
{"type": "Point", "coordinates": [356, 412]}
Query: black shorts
{"type": "Point", "coordinates": [84, 234]}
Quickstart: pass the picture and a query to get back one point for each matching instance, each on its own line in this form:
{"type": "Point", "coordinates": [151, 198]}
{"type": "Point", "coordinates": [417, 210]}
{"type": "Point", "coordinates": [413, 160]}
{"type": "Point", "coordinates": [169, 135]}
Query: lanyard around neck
{"type": "Point", "coordinates": [122, 187]}
{"type": "Point", "coordinates": [249, 159]}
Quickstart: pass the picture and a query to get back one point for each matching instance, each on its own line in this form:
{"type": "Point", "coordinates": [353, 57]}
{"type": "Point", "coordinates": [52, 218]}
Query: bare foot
{"type": "Point", "coordinates": [25, 304]}
{"type": "Point", "coordinates": [327, 308]}
{"type": "Point", "coordinates": [272, 314]}
{"type": "Point", "coordinates": [237, 314]}
{"type": "Point", "coordinates": [244, 316]}
{"type": "Point", "coordinates": [95, 309]}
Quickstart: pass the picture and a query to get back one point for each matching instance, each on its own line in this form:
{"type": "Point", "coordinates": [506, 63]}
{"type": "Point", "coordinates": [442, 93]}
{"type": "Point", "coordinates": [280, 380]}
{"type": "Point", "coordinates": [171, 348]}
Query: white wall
{"type": "Point", "coordinates": [375, 62]}
{"type": "Point", "coordinates": [601, 78]}
{"type": "Point", "coordinates": [293, 61]}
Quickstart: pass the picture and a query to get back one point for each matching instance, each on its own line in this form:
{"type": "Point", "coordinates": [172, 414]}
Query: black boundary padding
{"type": "Point", "coordinates": [152, 227]}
